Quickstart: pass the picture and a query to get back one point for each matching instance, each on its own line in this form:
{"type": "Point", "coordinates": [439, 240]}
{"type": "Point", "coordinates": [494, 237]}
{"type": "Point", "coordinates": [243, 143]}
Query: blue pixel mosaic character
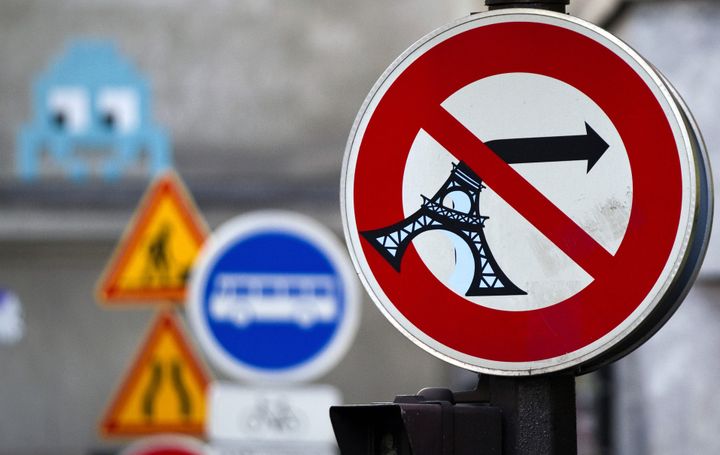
{"type": "Point", "coordinates": [91, 98]}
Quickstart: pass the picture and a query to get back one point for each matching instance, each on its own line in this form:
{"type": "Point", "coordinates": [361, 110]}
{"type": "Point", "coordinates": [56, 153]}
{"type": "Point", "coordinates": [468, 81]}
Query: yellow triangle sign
{"type": "Point", "coordinates": [153, 259]}
{"type": "Point", "coordinates": [164, 392]}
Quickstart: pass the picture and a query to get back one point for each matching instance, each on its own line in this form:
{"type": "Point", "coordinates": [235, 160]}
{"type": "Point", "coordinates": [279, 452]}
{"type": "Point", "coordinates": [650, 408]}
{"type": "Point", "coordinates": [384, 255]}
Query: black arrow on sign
{"type": "Point", "coordinates": [589, 146]}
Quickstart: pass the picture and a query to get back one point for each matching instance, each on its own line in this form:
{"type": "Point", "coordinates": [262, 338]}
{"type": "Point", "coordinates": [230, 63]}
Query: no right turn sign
{"type": "Point", "coordinates": [523, 193]}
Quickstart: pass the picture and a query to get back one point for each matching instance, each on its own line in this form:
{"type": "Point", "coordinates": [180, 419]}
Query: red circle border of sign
{"type": "Point", "coordinates": [164, 444]}
{"type": "Point", "coordinates": [618, 89]}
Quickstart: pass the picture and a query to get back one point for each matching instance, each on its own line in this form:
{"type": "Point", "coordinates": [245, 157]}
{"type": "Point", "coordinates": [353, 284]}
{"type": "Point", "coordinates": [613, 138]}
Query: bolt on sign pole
{"type": "Point", "coordinates": [531, 212]}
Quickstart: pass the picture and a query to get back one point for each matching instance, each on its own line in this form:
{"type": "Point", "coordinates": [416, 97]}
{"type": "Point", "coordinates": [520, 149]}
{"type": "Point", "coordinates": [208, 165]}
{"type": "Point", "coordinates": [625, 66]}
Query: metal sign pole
{"type": "Point", "coordinates": [552, 5]}
{"type": "Point", "coordinates": [538, 413]}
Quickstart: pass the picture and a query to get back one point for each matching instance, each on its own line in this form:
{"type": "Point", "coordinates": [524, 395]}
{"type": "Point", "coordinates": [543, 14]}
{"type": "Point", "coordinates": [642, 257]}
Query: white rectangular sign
{"type": "Point", "coordinates": [292, 415]}
{"type": "Point", "coordinates": [269, 448]}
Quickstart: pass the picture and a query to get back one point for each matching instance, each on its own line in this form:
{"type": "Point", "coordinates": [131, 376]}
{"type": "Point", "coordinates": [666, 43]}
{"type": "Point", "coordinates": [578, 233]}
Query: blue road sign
{"type": "Point", "coordinates": [273, 297]}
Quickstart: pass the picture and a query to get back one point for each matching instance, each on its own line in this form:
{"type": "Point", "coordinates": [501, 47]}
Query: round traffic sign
{"type": "Point", "coordinates": [169, 444]}
{"type": "Point", "coordinates": [522, 194]}
{"type": "Point", "coordinates": [273, 298]}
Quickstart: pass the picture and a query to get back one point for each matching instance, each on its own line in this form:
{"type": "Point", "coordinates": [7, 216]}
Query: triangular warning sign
{"type": "Point", "coordinates": [164, 392]}
{"type": "Point", "coordinates": [153, 259]}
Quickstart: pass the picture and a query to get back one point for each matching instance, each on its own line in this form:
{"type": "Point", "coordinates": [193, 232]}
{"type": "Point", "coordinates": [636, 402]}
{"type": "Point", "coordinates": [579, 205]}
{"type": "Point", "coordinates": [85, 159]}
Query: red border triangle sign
{"type": "Point", "coordinates": [152, 261]}
{"type": "Point", "coordinates": [165, 389]}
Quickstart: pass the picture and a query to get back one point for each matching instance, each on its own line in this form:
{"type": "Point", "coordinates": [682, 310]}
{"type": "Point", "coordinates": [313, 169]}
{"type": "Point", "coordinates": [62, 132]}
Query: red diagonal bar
{"type": "Point", "coordinates": [518, 192]}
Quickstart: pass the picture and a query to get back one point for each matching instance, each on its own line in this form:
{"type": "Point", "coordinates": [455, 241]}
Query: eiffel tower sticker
{"type": "Point", "coordinates": [488, 279]}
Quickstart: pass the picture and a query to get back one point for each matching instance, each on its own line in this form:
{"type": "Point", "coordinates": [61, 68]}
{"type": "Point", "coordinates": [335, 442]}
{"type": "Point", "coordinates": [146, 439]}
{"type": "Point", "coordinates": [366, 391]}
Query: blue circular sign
{"type": "Point", "coordinates": [273, 297]}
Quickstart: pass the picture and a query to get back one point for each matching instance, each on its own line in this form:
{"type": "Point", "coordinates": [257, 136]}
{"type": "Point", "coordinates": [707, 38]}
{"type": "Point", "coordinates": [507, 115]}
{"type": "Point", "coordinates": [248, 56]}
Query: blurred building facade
{"type": "Point", "coordinates": [258, 97]}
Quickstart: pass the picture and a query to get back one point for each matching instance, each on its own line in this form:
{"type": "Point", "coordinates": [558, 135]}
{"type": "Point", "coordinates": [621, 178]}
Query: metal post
{"type": "Point", "coordinates": [538, 413]}
{"type": "Point", "coordinates": [539, 416]}
{"type": "Point", "coordinates": [552, 5]}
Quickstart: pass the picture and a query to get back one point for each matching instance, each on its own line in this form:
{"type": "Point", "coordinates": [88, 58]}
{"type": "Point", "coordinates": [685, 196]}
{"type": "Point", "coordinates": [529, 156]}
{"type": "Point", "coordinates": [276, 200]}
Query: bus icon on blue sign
{"type": "Point", "coordinates": [246, 298]}
{"type": "Point", "coordinates": [273, 297]}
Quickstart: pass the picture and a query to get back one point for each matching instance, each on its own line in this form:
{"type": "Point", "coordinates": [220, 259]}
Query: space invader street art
{"type": "Point", "coordinates": [91, 98]}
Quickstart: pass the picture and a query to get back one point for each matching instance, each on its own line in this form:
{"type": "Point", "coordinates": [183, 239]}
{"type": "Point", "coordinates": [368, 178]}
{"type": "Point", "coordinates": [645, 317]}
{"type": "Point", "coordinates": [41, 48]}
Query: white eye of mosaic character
{"type": "Point", "coordinates": [69, 109]}
{"type": "Point", "coordinates": [119, 109]}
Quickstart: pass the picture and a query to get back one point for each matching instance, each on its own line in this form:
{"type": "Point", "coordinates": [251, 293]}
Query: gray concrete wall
{"type": "Point", "coordinates": [259, 97]}
{"type": "Point", "coordinates": [270, 84]}
{"type": "Point", "coordinates": [667, 401]}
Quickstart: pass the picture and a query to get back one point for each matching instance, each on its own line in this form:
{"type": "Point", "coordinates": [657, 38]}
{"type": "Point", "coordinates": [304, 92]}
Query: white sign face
{"type": "Point", "coordinates": [509, 106]}
{"type": "Point", "coordinates": [529, 208]}
{"type": "Point", "coordinates": [274, 449]}
{"type": "Point", "coordinates": [254, 416]}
